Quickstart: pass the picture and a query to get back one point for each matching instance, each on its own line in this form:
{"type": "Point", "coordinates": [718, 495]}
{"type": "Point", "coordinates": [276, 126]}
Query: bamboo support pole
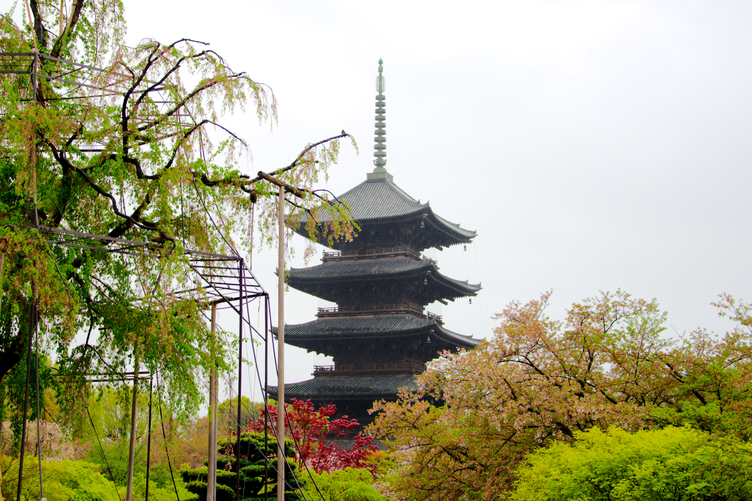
{"type": "Point", "coordinates": [132, 448]}
{"type": "Point", "coordinates": [281, 462]}
{"type": "Point", "coordinates": [211, 487]}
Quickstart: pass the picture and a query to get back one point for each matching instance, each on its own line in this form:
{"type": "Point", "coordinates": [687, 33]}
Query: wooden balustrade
{"type": "Point", "coordinates": [379, 368]}
{"type": "Point", "coordinates": [377, 309]}
{"type": "Point", "coordinates": [370, 254]}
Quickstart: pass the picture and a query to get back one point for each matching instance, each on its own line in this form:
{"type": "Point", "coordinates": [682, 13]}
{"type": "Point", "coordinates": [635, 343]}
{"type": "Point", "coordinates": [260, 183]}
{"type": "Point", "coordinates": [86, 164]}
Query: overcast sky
{"type": "Point", "coordinates": [593, 145]}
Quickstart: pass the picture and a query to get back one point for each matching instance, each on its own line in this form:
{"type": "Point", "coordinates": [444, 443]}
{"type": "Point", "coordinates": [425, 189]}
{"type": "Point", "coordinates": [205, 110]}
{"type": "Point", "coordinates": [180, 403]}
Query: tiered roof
{"type": "Point", "coordinates": [369, 389]}
{"type": "Point", "coordinates": [380, 279]}
{"type": "Point", "coordinates": [332, 330]}
{"type": "Point", "coordinates": [379, 335]}
{"type": "Point", "coordinates": [385, 213]}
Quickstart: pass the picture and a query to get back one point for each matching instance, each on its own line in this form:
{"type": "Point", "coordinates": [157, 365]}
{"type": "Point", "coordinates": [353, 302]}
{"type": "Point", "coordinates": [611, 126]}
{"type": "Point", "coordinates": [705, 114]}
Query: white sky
{"type": "Point", "coordinates": [594, 145]}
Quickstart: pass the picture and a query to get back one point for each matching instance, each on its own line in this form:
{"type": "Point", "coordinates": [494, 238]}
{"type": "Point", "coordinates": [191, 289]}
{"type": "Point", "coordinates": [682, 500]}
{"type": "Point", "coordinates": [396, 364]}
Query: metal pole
{"type": "Point", "coordinates": [211, 489]}
{"type": "Point", "coordinates": [281, 462]}
{"type": "Point", "coordinates": [132, 450]}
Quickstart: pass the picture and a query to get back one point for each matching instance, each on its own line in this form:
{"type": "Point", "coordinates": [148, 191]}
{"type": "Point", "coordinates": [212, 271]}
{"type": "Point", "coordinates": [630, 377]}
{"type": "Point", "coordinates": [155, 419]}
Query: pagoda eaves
{"type": "Point", "coordinates": [324, 334]}
{"type": "Point", "coordinates": [381, 280]}
{"type": "Point", "coordinates": [365, 389]}
{"type": "Point", "coordinates": [385, 213]}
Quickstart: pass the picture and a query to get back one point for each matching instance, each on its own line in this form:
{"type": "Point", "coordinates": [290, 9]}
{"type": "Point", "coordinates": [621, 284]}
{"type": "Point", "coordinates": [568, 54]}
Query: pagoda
{"type": "Point", "coordinates": [379, 334]}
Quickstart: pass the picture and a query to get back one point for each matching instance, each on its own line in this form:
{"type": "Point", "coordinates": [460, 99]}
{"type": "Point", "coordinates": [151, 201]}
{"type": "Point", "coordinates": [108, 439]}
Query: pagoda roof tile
{"type": "Point", "coordinates": [342, 328]}
{"type": "Point", "coordinates": [364, 269]}
{"type": "Point", "coordinates": [378, 200]}
{"type": "Point", "coordinates": [345, 269]}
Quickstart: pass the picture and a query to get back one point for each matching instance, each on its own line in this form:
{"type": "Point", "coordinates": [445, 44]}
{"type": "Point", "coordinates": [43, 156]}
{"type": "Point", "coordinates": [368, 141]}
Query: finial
{"type": "Point", "coordinates": [380, 83]}
{"type": "Point", "coordinates": [380, 143]}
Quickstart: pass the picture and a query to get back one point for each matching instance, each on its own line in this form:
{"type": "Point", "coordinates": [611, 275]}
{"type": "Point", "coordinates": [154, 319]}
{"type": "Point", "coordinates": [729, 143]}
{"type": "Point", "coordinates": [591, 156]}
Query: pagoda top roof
{"type": "Point", "coordinates": [376, 326]}
{"type": "Point", "coordinates": [371, 388]}
{"type": "Point", "coordinates": [377, 200]}
{"type": "Point", "coordinates": [378, 197]}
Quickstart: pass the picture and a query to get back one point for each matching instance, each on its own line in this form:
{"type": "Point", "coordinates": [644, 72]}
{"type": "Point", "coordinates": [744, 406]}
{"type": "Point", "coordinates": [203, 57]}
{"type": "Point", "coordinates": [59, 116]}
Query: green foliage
{"type": "Point", "coordinates": [223, 492]}
{"type": "Point", "coordinates": [110, 409]}
{"type": "Point", "coordinates": [64, 480]}
{"type": "Point", "coordinates": [13, 391]}
{"type": "Point", "coordinates": [672, 464]}
{"type": "Point", "coordinates": [350, 484]}
{"type": "Point", "coordinates": [112, 461]}
{"type": "Point", "coordinates": [159, 491]}
{"type": "Point", "coordinates": [712, 375]}
{"type": "Point", "coordinates": [227, 412]}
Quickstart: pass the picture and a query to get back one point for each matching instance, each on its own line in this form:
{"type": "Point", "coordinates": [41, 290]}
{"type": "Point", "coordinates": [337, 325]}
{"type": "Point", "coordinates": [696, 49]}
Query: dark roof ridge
{"type": "Point", "coordinates": [361, 269]}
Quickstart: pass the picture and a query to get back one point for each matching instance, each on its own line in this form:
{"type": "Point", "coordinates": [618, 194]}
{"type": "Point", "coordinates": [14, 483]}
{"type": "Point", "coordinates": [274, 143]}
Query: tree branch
{"type": "Point", "coordinates": [301, 155]}
{"type": "Point", "coordinates": [72, 21]}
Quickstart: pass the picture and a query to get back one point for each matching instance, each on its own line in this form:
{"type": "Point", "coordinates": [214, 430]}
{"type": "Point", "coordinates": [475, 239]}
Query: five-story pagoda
{"type": "Point", "coordinates": [379, 334]}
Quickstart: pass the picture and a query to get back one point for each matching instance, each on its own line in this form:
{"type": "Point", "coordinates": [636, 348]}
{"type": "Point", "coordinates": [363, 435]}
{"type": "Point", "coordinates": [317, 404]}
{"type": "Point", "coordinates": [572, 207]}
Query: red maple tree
{"type": "Point", "coordinates": [310, 428]}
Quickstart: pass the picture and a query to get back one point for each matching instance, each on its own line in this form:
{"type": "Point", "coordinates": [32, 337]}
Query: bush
{"type": "Point", "coordinates": [658, 465]}
{"type": "Point", "coordinates": [64, 480]}
{"type": "Point", "coordinates": [350, 484]}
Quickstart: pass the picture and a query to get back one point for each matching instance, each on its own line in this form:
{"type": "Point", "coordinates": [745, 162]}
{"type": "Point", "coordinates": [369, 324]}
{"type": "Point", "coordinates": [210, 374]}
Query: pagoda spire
{"type": "Point", "coordinates": [380, 143]}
